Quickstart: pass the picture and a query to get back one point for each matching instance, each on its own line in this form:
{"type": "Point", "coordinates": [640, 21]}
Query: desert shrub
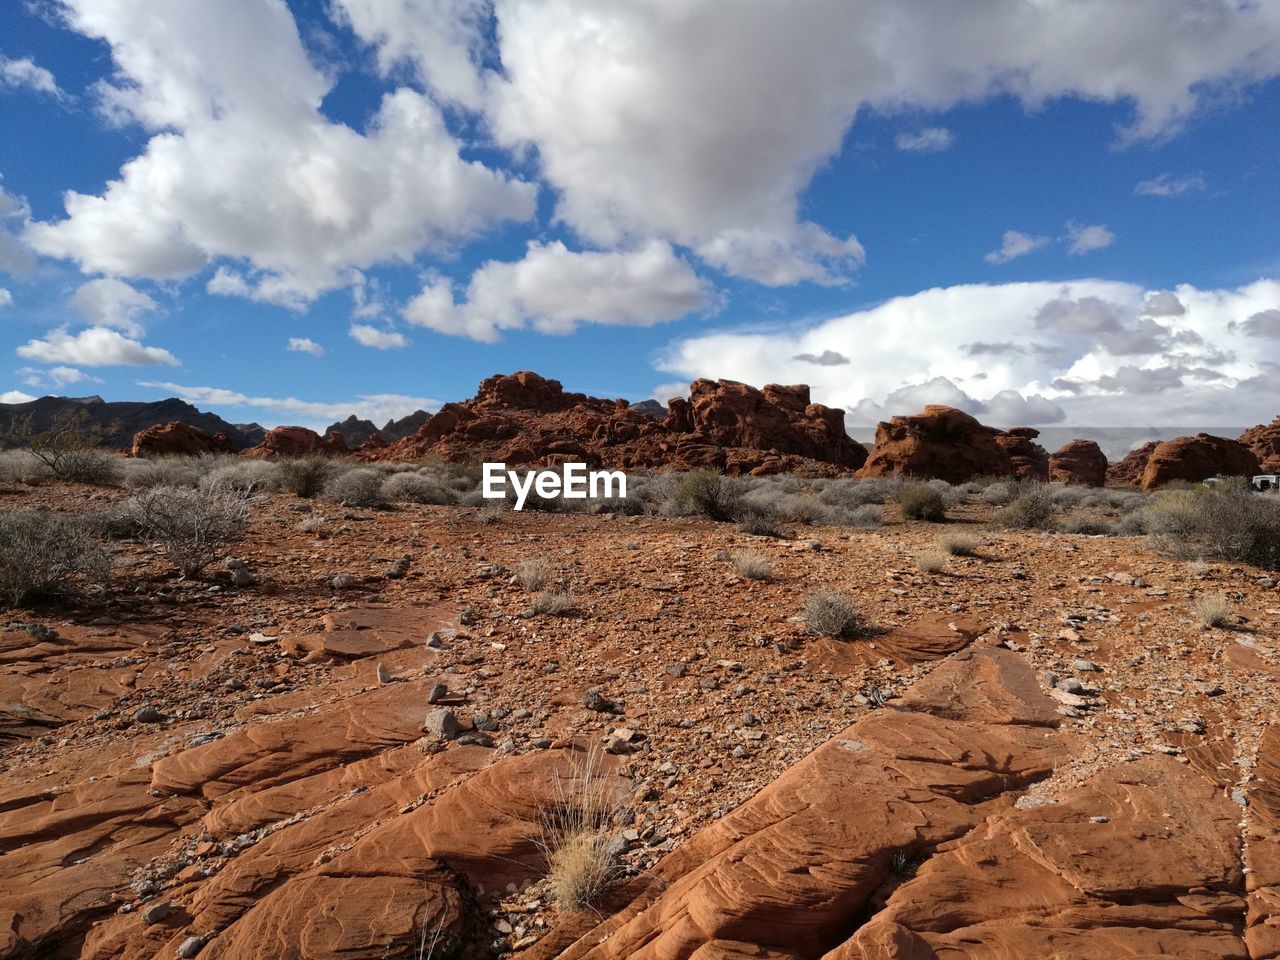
{"type": "Point", "coordinates": [143, 474]}
{"type": "Point", "coordinates": [931, 559]}
{"type": "Point", "coordinates": [709, 494]}
{"type": "Point", "coordinates": [314, 526]}
{"type": "Point", "coordinates": [854, 493]}
{"type": "Point", "coordinates": [71, 448]}
{"type": "Point", "coordinates": [830, 613]}
{"type": "Point", "coordinates": [1066, 497]}
{"type": "Point", "coordinates": [191, 526]}
{"type": "Point", "coordinates": [244, 474]}
{"type": "Point", "coordinates": [759, 521]}
{"type": "Point", "coordinates": [416, 488]}
{"type": "Point", "coordinates": [806, 508]}
{"type": "Point", "coordinates": [997, 493]}
{"type": "Point", "coordinates": [1089, 527]}
{"type": "Point", "coordinates": [361, 487]}
{"type": "Point", "coordinates": [1224, 522]}
{"type": "Point", "coordinates": [1030, 511]}
{"type": "Point", "coordinates": [19, 466]}
{"type": "Point", "coordinates": [305, 476]}
{"type": "Point", "coordinates": [867, 515]}
{"type": "Point", "coordinates": [46, 554]}
{"type": "Point", "coordinates": [959, 543]}
{"type": "Point", "coordinates": [576, 836]}
{"type": "Point", "coordinates": [752, 566]}
{"type": "Point", "coordinates": [532, 574]}
{"type": "Point", "coordinates": [1212, 609]}
{"type": "Point", "coordinates": [554, 603]}
{"type": "Point", "coordinates": [920, 501]}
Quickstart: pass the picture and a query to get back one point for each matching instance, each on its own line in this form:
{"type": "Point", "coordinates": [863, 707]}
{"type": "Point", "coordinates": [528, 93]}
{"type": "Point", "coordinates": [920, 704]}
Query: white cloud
{"type": "Point", "coordinates": [305, 345]}
{"type": "Point", "coordinates": [15, 396]}
{"type": "Point", "coordinates": [244, 165]}
{"type": "Point", "coordinates": [1022, 353]}
{"type": "Point", "coordinates": [26, 73]}
{"type": "Point", "coordinates": [66, 375]}
{"type": "Point", "coordinates": [928, 140]}
{"type": "Point", "coordinates": [1015, 244]}
{"type": "Point", "coordinates": [15, 257]}
{"type": "Point", "coordinates": [1162, 303]}
{"type": "Point", "coordinates": [378, 407]}
{"type": "Point", "coordinates": [112, 303]}
{"type": "Point", "coordinates": [368, 336]}
{"type": "Point", "coordinates": [1083, 239]}
{"type": "Point", "coordinates": [93, 347]}
{"type": "Point", "coordinates": [6, 298]}
{"type": "Point", "coordinates": [553, 289]}
{"type": "Point", "coordinates": [1168, 185]}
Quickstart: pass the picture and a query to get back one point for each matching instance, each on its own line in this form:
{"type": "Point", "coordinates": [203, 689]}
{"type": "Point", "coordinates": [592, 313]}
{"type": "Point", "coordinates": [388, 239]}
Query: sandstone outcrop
{"type": "Point", "coordinates": [1264, 441]}
{"type": "Point", "coordinates": [1030, 460]}
{"type": "Point", "coordinates": [297, 442]}
{"type": "Point", "coordinates": [1079, 462]}
{"type": "Point", "coordinates": [1128, 470]}
{"type": "Point", "coordinates": [1197, 458]}
{"type": "Point", "coordinates": [524, 418]}
{"type": "Point", "coordinates": [178, 439]}
{"type": "Point", "coordinates": [943, 443]}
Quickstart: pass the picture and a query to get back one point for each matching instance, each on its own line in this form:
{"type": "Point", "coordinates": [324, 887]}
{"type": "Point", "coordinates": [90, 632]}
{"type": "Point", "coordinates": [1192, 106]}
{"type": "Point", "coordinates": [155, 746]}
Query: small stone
{"type": "Point", "coordinates": [157, 912]}
{"type": "Point", "coordinates": [234, 683]}
{"type": "Point", "coordinates": [593, 699]}
{"type": "Point", "coordinates": [343, 581]}
{"type": "Point", "coordinates": [384, 673]}
{"type": "Point", "coordinates": [740, 751]}
{"type": "Point", "coordinates": [1085, 666]}
{"type": "Point", "coordinates": [442, 723]}
{"type": "Point", "coordinates": [233, 563]}
{"type": "Point", "coordinates": [148, 714]}
{"type": "Point", "coordinates": [1070, 685]}
{"type": "Point", "coordinates": [241, 577]}
{"type": "Point", "coordinates": [190, 947]}
{"type": "Point", "coordinates": [438, 693]}
{"type": "Point", "coordinates": [1099, 820]}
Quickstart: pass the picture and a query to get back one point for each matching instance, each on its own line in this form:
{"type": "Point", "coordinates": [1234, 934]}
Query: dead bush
{"type": "Point", "coordinates": [753, 566]}
{"type": "Point", "coordinates": [921, 501]}
{"type": "Point", "coordinates": [190, 526]}
{"type": "Point", "coordinates": [45, 554]}
{"type": "Point", "coordinates": [830, 613]}
{"type": "Point", "coordinates": [532, 574]}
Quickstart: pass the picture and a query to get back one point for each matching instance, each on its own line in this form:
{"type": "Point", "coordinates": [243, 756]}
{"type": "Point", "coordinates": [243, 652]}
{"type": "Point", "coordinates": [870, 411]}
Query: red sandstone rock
{"type": "Point", "coordinates": [1264, 441]}
{"type": "Point", "coordinates": [289, 442]}
{"type": "Point", "coordinates": [1128, 471]}
{"type": "Point", "coordinates": [178, 439]}
{"type": "Point", "coordinates": [942, 443]}
{"type": "Point", "coordinates": [1197, 458]}
{"type": "Point", "coordinates": [1030, 460]}
{"type": "Point", "coordinates": [1079, 462]}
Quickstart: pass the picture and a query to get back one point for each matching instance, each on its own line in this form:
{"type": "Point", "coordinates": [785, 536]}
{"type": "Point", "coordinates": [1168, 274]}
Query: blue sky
{"type": "Point", "coordinates": [1051, 212]}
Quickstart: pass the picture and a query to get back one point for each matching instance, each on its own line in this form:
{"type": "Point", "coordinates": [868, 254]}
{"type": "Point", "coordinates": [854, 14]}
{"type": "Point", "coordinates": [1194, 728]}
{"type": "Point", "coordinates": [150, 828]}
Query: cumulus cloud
{"type": "Point", "coordinates": [378, 407]}
{"type": "Point", "coordinates": [244, 165]}
{"type": "Point", "coordinates": [554, 289]}
{"type": "Point", "coordinates": [379, 339]}
{"type": "Point", "coordinates": [6, 298]}
{"type": "Point", "coordinates": [305, 345]}
{"type": "Point", "coordinates": [15, 396]}
{"type": "Point", "coordinates": [1080, 345]}
{"type": "Point", "coordinates": [1264, 323]}
{"type": "Point", "coordinates": [1162, 303]}
{"type": "Point", "coordinates": [15, 257]}
{"type": "Point", "coordinates": [1083, 239]}
{"type": "Point", "coordinates": [25, 73]}
{"type": "Point", "coordinates": [928, 140]}
{"type": "Point", "coordinates": [93, 347]}
{"type": "Point", "coordinates": [1168, 185]}
{"type": "Point", "coordinates": [112, 303]}
{"type": "Point", "coordinates": [1015, 244]}
{"type": "Point", "coordinates": [827, 358]}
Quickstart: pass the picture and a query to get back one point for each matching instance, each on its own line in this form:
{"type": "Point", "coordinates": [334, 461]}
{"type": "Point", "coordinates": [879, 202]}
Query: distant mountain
{"type": "Point", "coordinates": [356, 431]}
{"type": "Point", "coordinates": [650, 408]}
{"type": "Point", "coordinates": [124, 418]}
{"type": "Point", "coordinates": [1114, 441]}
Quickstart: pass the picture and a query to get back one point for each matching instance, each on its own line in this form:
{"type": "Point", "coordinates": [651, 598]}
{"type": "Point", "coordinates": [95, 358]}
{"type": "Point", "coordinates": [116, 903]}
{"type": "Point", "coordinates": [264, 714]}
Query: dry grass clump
{"type": "Point", "coordinates": [305, 476]}
{"type": "Point", "coordinates": [830, 613]}
{"type": "Point", "coordinates": [555, 603]}
{"type": "Point", "coordinates": [361, 487]}
{"type": "Point", "coordinates": [576, 840]}
{"type": "Point", "coordinates": [532, 574]}
{"type": "Point", "coordinates": [921, 501]}
{"type": "Point", "coordinates": [958, 543]}
{"type": "Point", "coordinates": [46, 554]}
{"type": "Point", "coordinates": [1212, 610]}
{"type": "Point", "coordinates": [931, 560]}
{"type": "Point", "coordinates": [1031, 511]}
{"type": "Point", "coordinates": [1223, 522]}
{"type": "Point", "coordinates": [753, 566]}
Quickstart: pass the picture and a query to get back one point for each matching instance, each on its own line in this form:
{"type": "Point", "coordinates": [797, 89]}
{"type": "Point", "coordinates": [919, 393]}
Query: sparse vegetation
{"type": "Point", "coordinates": [760, 522]}
{"type": "Point", "coordinates": [931, 560]}
{"type": "Point", "coordinates": [361, 487]}
{"type": "Point", "coordinates": [305, 476]}
{"type": "Point", "coordinates": [70, 449]}
{"type": "Point", "coordinates": [1223, 522]}
{"type": "Point", "coordinates": [532, 574]}
{"type": "Point", "coordinates": [44, 554]}
{"type": "Point", "coordinates": [959, 543]}
{"type": "Point", "coordinates": [576, 838]}
{"type": "Point", "coordinates": [921, 501]}
{"type": "Point", "coordinates": [190, 525]}
{"type": "Point", "coordinates": [709, 494]}
{"type": "Point", "coordinates": [416, 488]}
{"type": "Point", "coordinates": [553, 603]}
{"type": "Point", "coordinates": [753, 566]}
{"type": "Point", "coordinates": [1212, 609]}
{"type": "Point", "coordinates": [830, 613]}
{"type": "Point", "coordinates": [1030, 511]}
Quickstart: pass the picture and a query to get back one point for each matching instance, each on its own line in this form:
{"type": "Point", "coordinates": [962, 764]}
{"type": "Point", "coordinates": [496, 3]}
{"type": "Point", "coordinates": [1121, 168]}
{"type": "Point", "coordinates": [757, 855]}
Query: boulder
{"type": "Point", "coordinates": [178, 439]}
{"type": "Point", "coordinates": [1030, 460]}
{"type": "Point", "coordinates": [1128, 471]}
{"type": "Point", "coordinates": [1197, 458]}
{"type": "Point", "coordinates": [1264, 441]}
{"type": "Point", "coordinates": [289, 442]}
{"type": "Point", "coordinates": [942, 443]}
{"type": "Point", "coordinates": [1080, 462]}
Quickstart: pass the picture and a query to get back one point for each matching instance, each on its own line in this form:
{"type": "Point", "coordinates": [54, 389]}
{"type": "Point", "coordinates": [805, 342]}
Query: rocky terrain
{"type": "Point", "coordinates": [122, 420]}
{"type": "Point", "coordinates": [349, 741]}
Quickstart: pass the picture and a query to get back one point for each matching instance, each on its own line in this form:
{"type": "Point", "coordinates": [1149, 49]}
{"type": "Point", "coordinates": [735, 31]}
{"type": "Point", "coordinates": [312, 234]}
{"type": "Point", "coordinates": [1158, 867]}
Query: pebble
{"type": "Point", "coordinates": [442, 723]}
{"type": "Point", "coordinates": [343, 581]}
{"type": "Point", "coordinates": [1085, 666]}
{"type": "Point", "coordinates": [148, 714]}
{"type": "Point", "coordinates": [242, 577]}
{"type": "Point", "coordinates": [438, 693]}
{"type": "Point", "coordinates": [190, 947]}
{"type": "Point", "coordinates": [157, 912]}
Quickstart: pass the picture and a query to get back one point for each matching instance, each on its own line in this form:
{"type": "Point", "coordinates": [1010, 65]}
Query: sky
{"type": "Point", "coordinates": [1040, 211]}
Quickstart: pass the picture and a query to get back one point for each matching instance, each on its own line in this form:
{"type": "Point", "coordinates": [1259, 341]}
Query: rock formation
{"type": "Point", "coordinates": [524, 418]}
{"type": "Point", "coordinates": [288, 442]}
{"type": "Point", "coordinates": [121, 421]}
{"type": "Point", "coordinates": [1080, 462]}
{"type": "Point", "coordinates": [1197, 458]}
{"type": "Point", "coordinates": [1128, 471]}
{"type": "Point", "coordinates": [1264, 441]}
{"type": "Point", "coordinates": [1030, 460]}
{"type": "Point", "coordinates": [942, 443]}
{"type": "Point", "coordinates": [178, 439]}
